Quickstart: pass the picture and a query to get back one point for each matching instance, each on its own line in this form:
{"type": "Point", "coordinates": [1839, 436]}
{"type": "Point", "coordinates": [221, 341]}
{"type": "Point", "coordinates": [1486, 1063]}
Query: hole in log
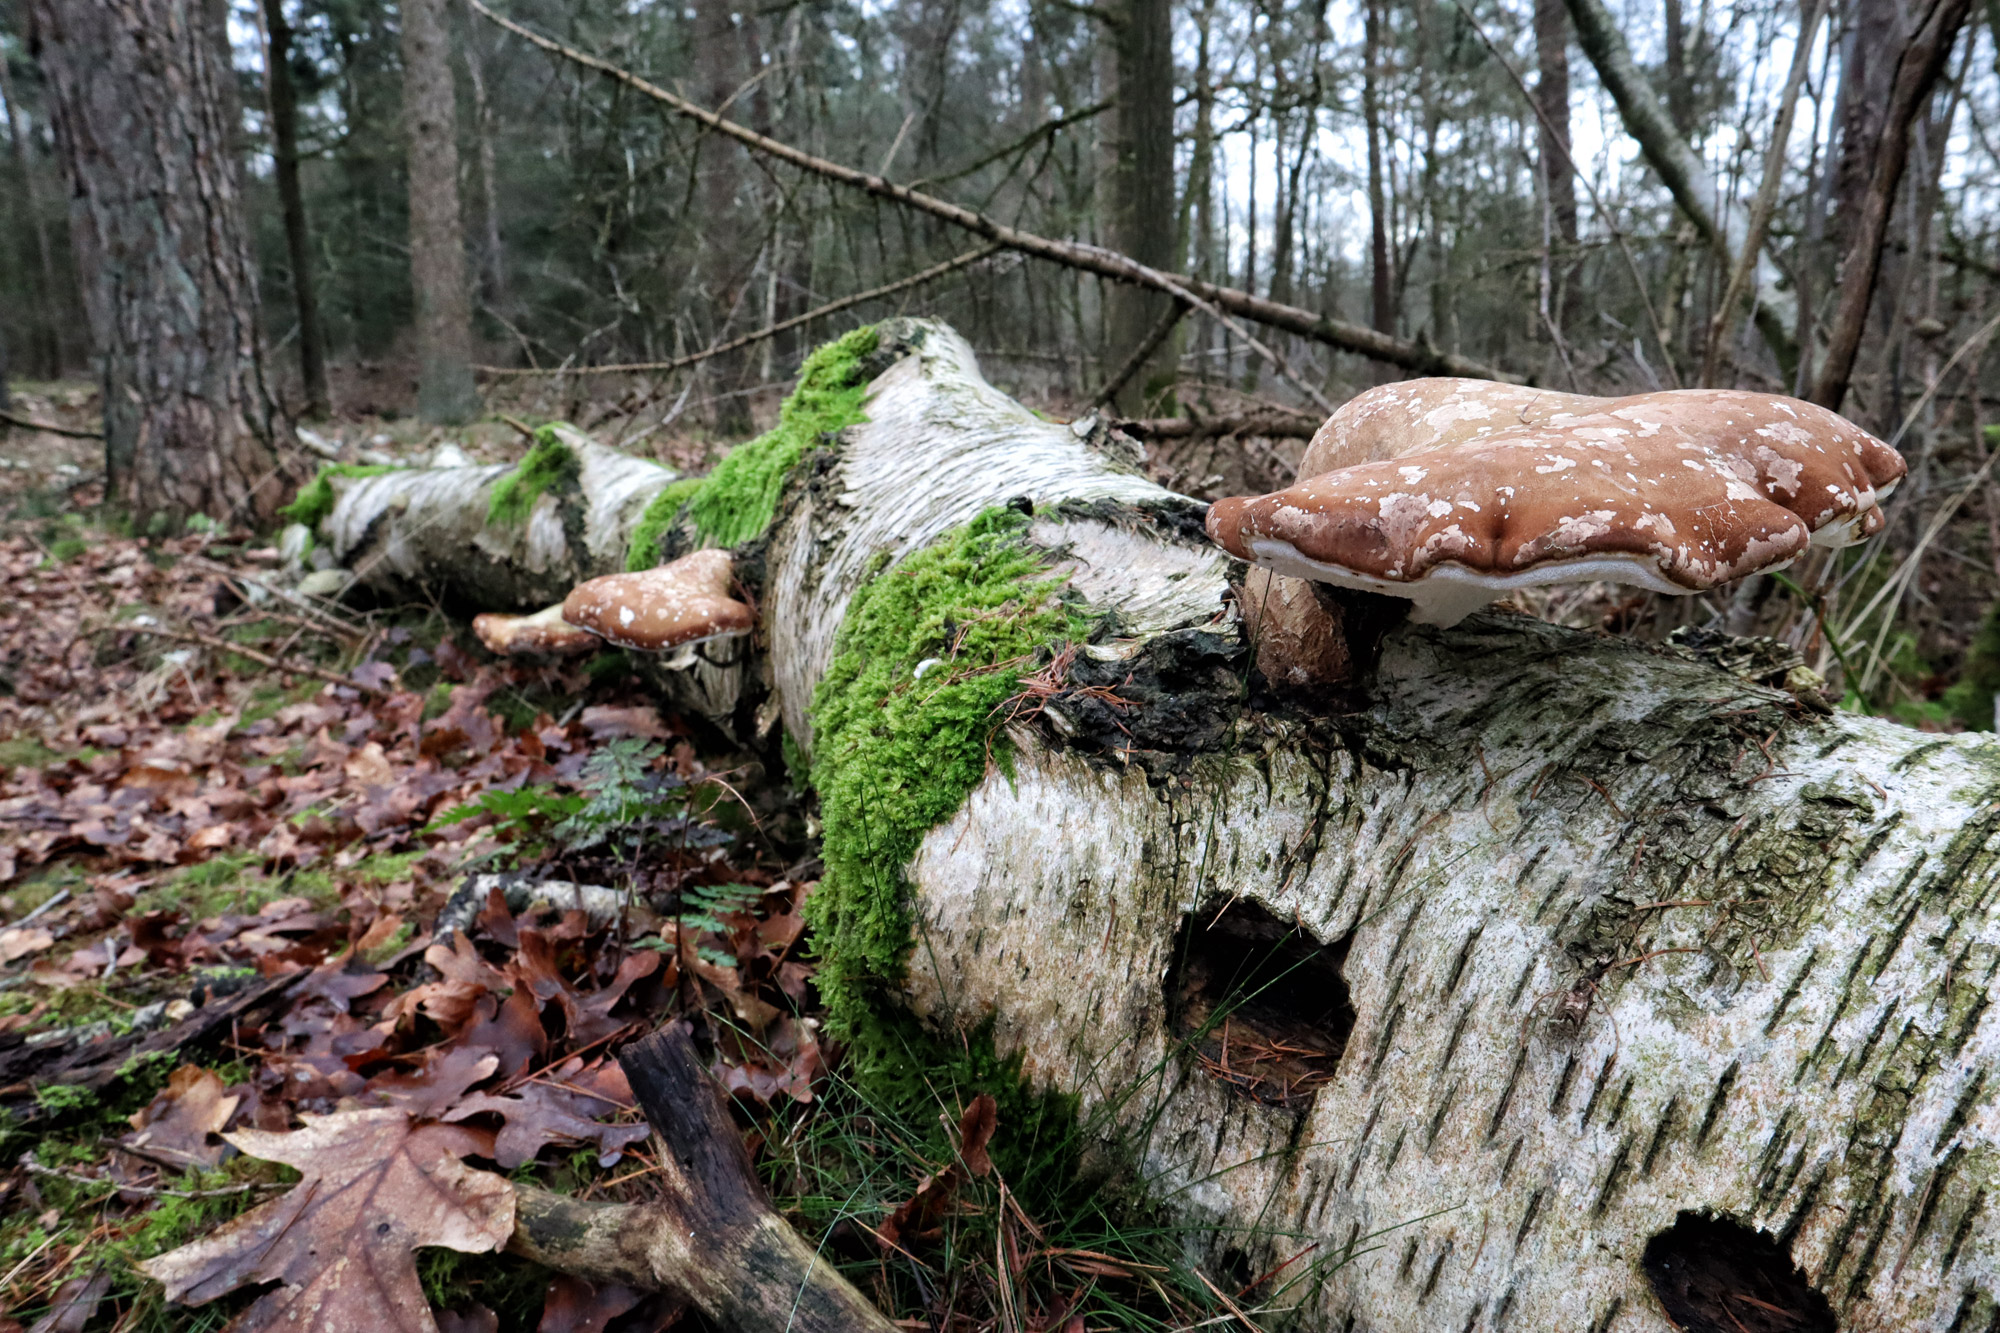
{"type": "Point", "coordinates": [1713, 1275]}
{"type": "Point", "coordinates": [1262, 1004]}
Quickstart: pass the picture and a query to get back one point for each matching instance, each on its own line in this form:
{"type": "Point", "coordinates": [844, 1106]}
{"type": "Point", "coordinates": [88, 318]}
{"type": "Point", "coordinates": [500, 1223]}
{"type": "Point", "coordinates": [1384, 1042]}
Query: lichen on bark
{"type": "Point", "coordinates": [736, 501]}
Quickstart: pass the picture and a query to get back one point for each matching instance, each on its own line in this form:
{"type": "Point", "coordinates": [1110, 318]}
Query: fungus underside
{"type": "Point", "coordinates": [895, 755]}
{"type": "Point", "coordinates": [736, 501]}
{"type": "Point", "coordinates": [315, 499]}
{"type": "Point", "coordinates": [550, 463]}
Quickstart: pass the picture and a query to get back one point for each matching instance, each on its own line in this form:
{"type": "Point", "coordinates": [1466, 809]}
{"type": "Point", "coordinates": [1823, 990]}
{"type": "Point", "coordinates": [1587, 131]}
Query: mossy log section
{"type": "Point", "coordinates": [712, 1234]}
{"type": "Point", "coordinates": [1667, 1000]}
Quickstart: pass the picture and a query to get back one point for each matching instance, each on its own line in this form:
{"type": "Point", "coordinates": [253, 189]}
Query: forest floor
{"type": "Point", "coordinates": [230, 819]}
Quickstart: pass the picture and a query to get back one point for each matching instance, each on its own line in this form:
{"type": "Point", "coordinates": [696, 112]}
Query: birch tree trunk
{"type": "Point", "coordinates": [1550, 981]}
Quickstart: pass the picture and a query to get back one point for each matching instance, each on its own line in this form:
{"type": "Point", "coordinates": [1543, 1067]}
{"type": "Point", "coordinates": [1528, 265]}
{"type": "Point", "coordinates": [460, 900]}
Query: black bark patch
{"type": "Point", "coordinates": [1263, 1005]}
{"type": "Point", "coordinates": [1716, 1275]}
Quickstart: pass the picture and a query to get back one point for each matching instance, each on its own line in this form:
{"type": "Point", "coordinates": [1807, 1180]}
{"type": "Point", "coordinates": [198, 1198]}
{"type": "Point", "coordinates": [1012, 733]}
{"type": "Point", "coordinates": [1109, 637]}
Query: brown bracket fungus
{"type": "Point", "coordinates": [543, 632]}
{"type": "Point", "coordinates": [1675, 492]}
{"type": "Point", "coordinates": [680, 604]}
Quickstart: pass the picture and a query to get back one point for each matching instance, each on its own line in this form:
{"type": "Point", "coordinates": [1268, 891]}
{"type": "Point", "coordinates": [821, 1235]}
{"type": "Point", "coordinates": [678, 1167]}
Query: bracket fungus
{"type": "Point", "coordinates": [1455, 497]}
{"type": "Point", "coordinates": [679, 604]}
{"type": "Point", "coordinates": [544, 632]}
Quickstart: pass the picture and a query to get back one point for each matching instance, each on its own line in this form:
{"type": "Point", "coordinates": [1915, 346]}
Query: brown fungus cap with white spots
{"type": "Point", "coordinates": [682, 602]}
{"type": "Point", "coordinates": [543, 632]}
{"type": "Point", "coordinates": [1675, 492]}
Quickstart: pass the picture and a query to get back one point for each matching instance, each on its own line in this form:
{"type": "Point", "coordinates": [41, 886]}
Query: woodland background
{"type": "Point", "coordinates": [232, 811]}
{"type": "Point", "coordinates": [1456, 175]}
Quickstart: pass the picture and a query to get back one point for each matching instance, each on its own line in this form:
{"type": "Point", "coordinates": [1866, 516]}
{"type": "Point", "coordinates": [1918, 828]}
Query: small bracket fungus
{"type": "Point", "coordinates": [682, 603]}
{"type": "Point", "coordinates": [543, 632]}
{"type": "Point", "coordinates": [1674, 492]}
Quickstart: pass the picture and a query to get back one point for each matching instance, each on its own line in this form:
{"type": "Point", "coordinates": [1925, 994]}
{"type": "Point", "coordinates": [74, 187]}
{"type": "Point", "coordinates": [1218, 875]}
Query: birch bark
{"type": "Point", "coordinates": [1613, 982]}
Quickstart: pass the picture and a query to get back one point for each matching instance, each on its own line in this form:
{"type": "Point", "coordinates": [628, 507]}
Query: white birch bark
{"type": "Point", "coordinates": [1487, 842]}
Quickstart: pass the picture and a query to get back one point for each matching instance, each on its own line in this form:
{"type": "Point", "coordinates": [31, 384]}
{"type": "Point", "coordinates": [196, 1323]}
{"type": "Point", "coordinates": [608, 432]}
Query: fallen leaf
{"type": "Point", "coordinates": [561, 1106]}
{"type": "Point", "coordinates": [76, 1301]}
{"type": "Point", "coordinates": [178, 1123]}
{"type": "Point", "coordinates": [20, 941]}
{"type": "Point", "coordinates": [373, 1187]}
{"type": "Point", "coordinates": [576, 1306]}
{"type": "Point", "coordinates": [477, 1319]}
{"type": "Point", "coordinates": [975, 1131]}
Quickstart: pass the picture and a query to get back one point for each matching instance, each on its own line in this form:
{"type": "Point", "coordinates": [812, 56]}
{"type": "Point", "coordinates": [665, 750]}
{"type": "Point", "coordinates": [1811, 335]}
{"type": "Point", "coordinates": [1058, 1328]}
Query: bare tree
{"type": "Point", "coordinates": [139, 93]}
{"type": "Point", "coordinates": [284, 106]}
{"type": "Point", "coordinates": [48, 339]}
{"type": "Point", "coordinates": [1139, 163]}
{"type": "Point", "coordinates": [1382, 289]}
{"type": "Point", "coordinates": [1864, 214]}
{"type": "Point", "coordinates": [445, 392]}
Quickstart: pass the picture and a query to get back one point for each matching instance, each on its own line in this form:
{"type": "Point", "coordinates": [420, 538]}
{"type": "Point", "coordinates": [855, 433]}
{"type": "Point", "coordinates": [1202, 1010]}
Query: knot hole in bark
{"type": "Point", "coordinates": [1715, 1275]}
{"type": "Point", "coordinates": [1262, 1004]}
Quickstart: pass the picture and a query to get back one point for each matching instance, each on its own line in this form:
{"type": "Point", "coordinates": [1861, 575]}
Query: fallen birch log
{"type": "Point", "coordinates": [1550, 980]}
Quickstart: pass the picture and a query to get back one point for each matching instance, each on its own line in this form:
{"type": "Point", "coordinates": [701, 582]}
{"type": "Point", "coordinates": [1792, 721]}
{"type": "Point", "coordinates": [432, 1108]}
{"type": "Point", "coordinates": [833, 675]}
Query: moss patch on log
{"type": "Point", "coordinates": [315, 499]}
{"type": "Point", "coordinates": [549, 465]}
{"type": "Point", "coordinates": [905, 724]}
{"type": "Point", "coordinates": [736, 501]}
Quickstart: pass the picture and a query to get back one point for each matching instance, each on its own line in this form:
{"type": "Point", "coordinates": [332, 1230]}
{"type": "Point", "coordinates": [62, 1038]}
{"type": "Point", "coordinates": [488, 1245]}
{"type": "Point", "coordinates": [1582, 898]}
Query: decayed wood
{"type": "Point", "coordinates": [712, 1235]}
{"type": "Point", "coordinates": [1619, 940]}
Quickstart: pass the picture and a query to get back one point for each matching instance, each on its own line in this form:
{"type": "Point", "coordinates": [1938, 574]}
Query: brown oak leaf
{"type": "Point", "coordinates": [373, 1187]}
{"type": "Point", "coordinates": [178, 1124]}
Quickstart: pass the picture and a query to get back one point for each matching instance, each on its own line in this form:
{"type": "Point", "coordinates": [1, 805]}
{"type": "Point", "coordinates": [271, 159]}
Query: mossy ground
{"type": "Point", "coordinates": [315, 499]}
{"type": "Point", "coordinates": [549, 465]}
{"type": "Point", "coordinates": [735, 502]}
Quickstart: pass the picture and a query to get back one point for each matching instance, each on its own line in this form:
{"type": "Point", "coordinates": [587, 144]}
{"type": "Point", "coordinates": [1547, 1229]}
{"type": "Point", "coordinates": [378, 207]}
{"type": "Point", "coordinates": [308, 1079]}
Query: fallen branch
{"type": "Point", "coordinates": [8, 418]}
{"type": "Point", "coordinates": [1414, 356]}
{"type": "Point", "coordinates": [1271, 424]}
{"type": "Point", "coordinates": [712, 1235]}
{"type": "Point", "coordinates": [935, 271]}
{"type": "Point", "coordinates": [243, 650]}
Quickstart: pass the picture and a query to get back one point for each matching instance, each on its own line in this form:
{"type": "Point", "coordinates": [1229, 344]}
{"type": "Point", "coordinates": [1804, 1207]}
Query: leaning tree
{"type": "Point", "coordinates": [1541, 978]}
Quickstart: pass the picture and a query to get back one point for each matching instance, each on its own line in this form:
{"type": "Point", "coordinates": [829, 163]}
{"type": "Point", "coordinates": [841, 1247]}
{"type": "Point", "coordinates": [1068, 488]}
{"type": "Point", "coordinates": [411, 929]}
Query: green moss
{"type": "Point", "coordinates": [550, 464]}
{"type": "Point", "coordinates": [895, 754]}
{"type": "Point", "coordinates": [315, 499]}
{"type": "Point", "coordinates": [736, 501]}
{"type": "Point", "coordinates": [661, 514]}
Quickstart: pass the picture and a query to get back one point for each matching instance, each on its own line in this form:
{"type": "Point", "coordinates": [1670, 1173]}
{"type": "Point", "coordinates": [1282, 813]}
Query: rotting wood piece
{"type": "Point", "coordinates": [97, 1064]}
{"type": "Point", "coordinates": [712, 1235]}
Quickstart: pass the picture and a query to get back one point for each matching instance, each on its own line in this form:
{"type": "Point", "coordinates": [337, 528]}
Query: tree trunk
{"type": "Point", "coordinates": [48, 342]}
{"type": "Point", "coordinates": [1552, 101]}
{"type": "Point", "coordinates": [1139, 178]}
{"type": "Point", "coordinates": [445, 391]}
{"type": "Point", "coordinates": [1382, 291]}
{"type": "Point", "coordinates": [138, 91]}
{"type": "Point", "coordinates": [724, 181]}
{"type": "Point", "coordinates": [284, 105]}
{"type": "Point", "coordinates": [492, 255]}
{"type": "Point", "coordinates": [1545, 981]}
{"type": "Point", "coordinates": [1917, 65]}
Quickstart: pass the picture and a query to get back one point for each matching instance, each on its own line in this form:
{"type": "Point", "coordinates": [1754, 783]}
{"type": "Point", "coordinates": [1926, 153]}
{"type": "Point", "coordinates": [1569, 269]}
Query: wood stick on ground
{"type": "Point", "coordinates": [243, 650]}
{"type": "Point", "coordinates": [8, 418]}
{"type": "Point", "coordinates": [932, 273]}
{"type": "Point", "coordinates": [713, 1235]}
{"type": "Point", "coordinates": [1364, 341]}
